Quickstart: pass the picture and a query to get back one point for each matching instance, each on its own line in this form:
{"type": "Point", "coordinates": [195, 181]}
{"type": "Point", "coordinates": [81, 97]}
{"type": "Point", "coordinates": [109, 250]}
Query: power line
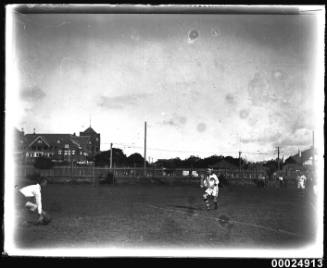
{"type": "Point", "coordinates": [188, 151]}
{"type": "Point", "coordinates": [126, 145]}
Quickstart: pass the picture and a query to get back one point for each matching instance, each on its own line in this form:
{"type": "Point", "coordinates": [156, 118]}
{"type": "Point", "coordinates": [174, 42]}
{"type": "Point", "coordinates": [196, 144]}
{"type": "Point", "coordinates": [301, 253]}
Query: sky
{"type": "Point", "coordinates": [205, 83]}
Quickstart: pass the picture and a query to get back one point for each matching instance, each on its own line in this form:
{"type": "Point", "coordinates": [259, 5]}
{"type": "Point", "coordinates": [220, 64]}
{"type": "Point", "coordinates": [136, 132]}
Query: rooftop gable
{"type": "Point", "coordinates": [38, 137]}
{"type": "Point", "coordinates": [59, 140]}
{"type": "Point", "coordinates": [89, 130]}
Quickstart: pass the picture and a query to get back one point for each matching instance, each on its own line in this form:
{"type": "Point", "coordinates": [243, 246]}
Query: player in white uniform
{"type": "Point", "coordinates": [210, 182]}
{"type": "Point", "coordinates": [301, 181]}
{"type": "Point", "coordinates": [33, 193]}
{"type": "Point", "coordinates": [281, 181]}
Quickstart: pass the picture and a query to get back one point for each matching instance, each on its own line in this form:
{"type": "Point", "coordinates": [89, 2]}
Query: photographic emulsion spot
{"type": "Point", "coordinates": [201, 127]}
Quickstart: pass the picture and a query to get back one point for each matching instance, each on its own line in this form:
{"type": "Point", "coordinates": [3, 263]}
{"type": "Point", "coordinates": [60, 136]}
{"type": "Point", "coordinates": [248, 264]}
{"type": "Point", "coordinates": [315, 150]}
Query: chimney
{"type": "Point", "coordinates": [34, 131]}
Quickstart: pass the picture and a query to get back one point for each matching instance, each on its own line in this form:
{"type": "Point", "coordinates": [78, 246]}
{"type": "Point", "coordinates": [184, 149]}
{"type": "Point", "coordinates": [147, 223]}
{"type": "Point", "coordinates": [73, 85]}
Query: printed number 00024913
{"type": "Point", "coordinates": [297, 263]}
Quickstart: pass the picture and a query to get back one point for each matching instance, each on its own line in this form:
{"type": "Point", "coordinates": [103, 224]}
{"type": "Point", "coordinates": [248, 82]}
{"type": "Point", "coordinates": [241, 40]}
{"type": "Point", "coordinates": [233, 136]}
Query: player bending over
{"type": "Point", "coordinates": [210, 182]}
{"type": "Point", "coordinates": [32, 194]}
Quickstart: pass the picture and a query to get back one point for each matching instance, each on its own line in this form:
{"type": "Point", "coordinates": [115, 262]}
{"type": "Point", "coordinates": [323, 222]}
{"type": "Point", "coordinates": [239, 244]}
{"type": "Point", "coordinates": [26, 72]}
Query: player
{"type": "Point", "coordinates": [281, 181]}
{"type": "Point", "coordinates": [210, 182]}
{"type": "Point", "coordinates": [301, 180]}
{"type": "Point", "coordinates": [32, 194]}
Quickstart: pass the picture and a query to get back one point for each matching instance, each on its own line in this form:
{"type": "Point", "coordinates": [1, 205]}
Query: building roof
{"type": "Point", "coordinates": [303, 156]}
{"type": "Point", "coordinates": [57, 140]}
{"type": "Point", "coordinates": [82, 140]}
{"type": "Point", "coordinates": [89, 130]}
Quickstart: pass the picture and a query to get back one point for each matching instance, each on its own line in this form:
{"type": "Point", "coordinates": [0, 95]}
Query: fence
{"type": "Point", "coordinates": [96, 174]}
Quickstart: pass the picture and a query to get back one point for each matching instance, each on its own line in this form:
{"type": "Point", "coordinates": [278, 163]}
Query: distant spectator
{"type": "Point", "coordinates": [281, 181]}
{"type": "Point", "coordinates": [301, 181]}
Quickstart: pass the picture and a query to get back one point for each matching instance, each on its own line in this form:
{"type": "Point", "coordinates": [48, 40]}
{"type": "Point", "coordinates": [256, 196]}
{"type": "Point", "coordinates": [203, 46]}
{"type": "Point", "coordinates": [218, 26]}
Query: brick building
{"type": "Point", "coordinates": [93, 142]}
{"type": "Point", "coordinates": [62, 147]}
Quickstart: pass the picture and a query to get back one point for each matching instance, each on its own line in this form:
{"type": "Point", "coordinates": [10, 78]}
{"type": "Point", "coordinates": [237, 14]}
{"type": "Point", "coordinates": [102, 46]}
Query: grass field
{"type": "Point", "coordinates": [168, 216]}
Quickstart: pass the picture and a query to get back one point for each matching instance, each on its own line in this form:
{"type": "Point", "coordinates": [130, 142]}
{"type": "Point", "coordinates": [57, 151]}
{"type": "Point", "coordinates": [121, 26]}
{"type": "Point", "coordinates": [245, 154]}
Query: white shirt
{"type": "Point", "coordinates": [33, 191]}
{"type": "Point", "coordinates": [303, 178]}
{"type": "Point", "coordinates": [213, 180]}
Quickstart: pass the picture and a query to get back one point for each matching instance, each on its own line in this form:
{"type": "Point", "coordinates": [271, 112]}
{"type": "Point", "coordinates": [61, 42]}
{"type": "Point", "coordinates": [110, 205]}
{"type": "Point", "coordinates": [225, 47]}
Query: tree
{"type": "Point", "coordinates": [169, 163]}
{"type": "Point", "coordinates": [192, 162]}
{"type": "Point", "coordinates": [232, 160]}
{"type": "Point", "coordinates": [271, 166]}
{"type": "Point", "coordinates": [135, 160]}
{"type": "Point", "coordinates": [290, 160]}
{"type": "Point", "coordinates": [102, 158]}
{"type": "Point", "coordinates": [209, 161]}
{"type": "Point", "coordinates": [118, 158]}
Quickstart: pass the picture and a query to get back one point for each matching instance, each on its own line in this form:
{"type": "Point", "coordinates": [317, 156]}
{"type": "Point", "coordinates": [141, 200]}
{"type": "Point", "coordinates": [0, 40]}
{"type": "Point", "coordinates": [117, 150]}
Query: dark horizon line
{"type": "Point", "coordinates": [159, 9]}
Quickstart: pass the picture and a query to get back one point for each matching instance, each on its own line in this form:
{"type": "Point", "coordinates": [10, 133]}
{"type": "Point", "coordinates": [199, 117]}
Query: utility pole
{"type": "Point", "coordinates": [110, 156]}
{"type": "Point", "coordinates": [144, 147]}
{"type": "Point", "coordinates": [239, 161]}
{"type": "Point", "coordinates": [278, 158]}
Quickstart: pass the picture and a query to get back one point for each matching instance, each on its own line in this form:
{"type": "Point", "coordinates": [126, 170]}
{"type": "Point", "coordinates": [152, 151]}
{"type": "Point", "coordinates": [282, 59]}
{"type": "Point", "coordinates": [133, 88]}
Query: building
{"type": "Point", "coordinates": [302, 161]}
{"type": "Point", "coordinates": [302, 156]}
{"type": "Point", "coordinates": [62, 147]}
{"type": "Point", "coordinates": [93, 141]}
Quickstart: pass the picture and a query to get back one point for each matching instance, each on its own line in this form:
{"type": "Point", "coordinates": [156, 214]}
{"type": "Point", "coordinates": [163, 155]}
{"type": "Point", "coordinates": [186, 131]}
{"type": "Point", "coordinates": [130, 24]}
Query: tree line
{"type": "Point", "coordinates": [120, 159]}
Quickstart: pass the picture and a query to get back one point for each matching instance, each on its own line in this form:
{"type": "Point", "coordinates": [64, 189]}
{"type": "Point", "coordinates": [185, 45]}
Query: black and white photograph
{"type": "Point", "coordinates": [164, 131]}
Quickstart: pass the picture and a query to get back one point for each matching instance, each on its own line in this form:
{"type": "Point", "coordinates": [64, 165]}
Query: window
{"type": "Point", "coordinates": [66, 146]}
{"type": "Point", "coordinates": [97, 139]}
{"type": "Point", "coordinates": [67, 152]}
{"type": "Point", "coordinates": [39, 141]}
{"type": "Point", "coordinates": [80, 153]}
{"type": "Point", "coordinates": [73, 152]}
{"type": "Point", "coordinates": [90, 142]}
{"type": "Point", "coordinates": [59, 152]}
{"type": "Point", "coordinates": [58, 141]}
